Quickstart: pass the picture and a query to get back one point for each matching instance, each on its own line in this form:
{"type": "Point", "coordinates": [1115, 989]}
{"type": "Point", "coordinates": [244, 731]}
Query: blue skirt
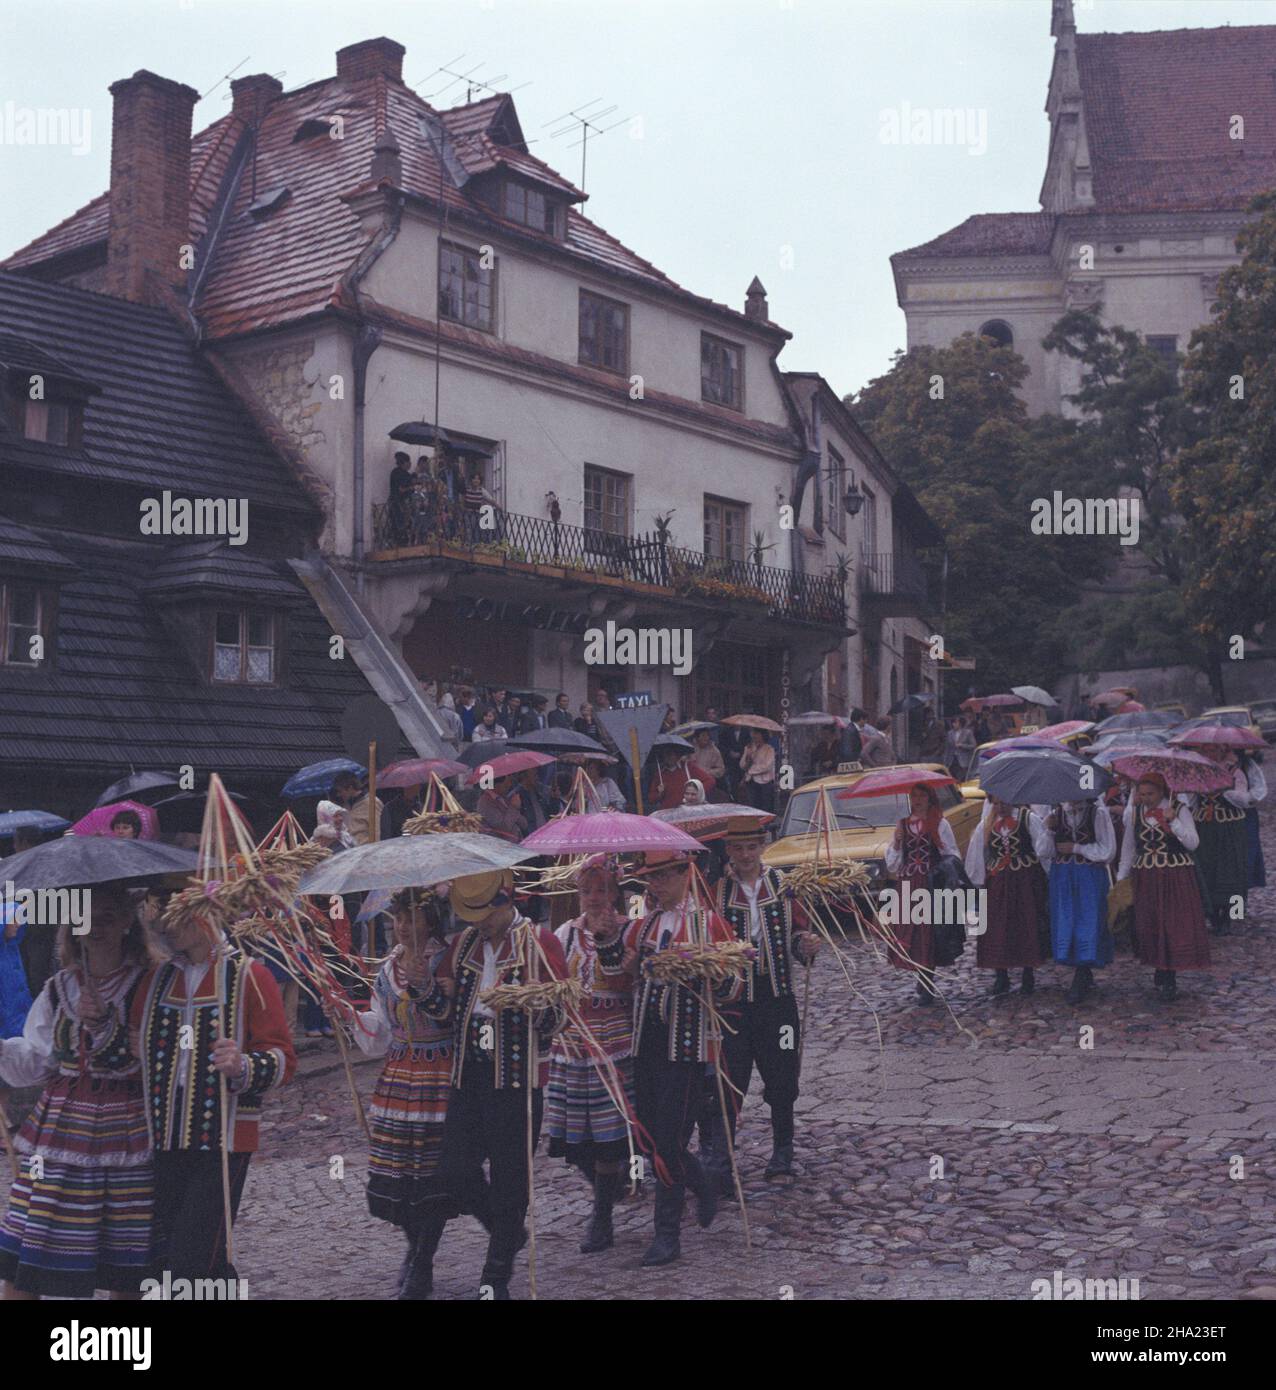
{"type": "Point", "coordinates": [1079, 932]}
{"type": "Point", "coordinates": [1257, 869]}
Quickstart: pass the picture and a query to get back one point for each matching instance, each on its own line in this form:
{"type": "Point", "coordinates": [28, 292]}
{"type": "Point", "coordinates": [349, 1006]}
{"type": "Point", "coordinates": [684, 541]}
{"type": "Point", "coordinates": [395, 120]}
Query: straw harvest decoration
{"type": "Point", "coordinates": [442, 814]}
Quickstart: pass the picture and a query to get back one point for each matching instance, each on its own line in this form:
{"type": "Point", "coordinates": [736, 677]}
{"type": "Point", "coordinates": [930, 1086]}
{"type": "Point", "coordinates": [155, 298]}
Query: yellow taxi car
{"type": "Point", "coordinates": [1234, 716]}
{"type": "Point", "coordinates": [865, 824]}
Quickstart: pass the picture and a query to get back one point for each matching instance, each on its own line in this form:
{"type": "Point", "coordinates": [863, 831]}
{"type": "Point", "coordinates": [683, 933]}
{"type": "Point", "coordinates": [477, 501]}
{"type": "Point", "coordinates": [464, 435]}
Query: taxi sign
{"type": "Point", "coordinates": [850, 767]}
{"type": "Point", "coordinates": [1030, 728]}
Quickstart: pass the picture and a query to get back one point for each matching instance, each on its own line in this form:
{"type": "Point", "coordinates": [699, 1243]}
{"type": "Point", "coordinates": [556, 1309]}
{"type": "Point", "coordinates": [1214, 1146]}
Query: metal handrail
{"type": "Point", "coordinates": [886, 573]}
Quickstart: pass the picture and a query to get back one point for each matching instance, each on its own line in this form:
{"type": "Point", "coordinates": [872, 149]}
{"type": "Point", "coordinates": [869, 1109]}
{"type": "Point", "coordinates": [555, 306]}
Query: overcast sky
{"type": "Point", "coordinates": [752, 142]}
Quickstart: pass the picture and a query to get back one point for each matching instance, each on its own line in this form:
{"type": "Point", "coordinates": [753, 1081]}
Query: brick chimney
{"type": "Point", "coordinates": [252, 96]}
{"type": "Point", "coordinates": [371, 58]}
{"type": "Point", "coordinates": [150, 185]}
{"type": "Point", "coordinates": [755, 305]}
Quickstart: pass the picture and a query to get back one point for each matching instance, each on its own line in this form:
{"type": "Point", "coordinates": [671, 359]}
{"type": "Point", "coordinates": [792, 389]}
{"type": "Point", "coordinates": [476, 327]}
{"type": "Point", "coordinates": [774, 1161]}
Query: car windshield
{"type": "Point", "coordinates": [1230, 718]}
{"type": "Point", "coordinates": [1264, 707]}
{"type": "Point", "coordinates": [854, 813]}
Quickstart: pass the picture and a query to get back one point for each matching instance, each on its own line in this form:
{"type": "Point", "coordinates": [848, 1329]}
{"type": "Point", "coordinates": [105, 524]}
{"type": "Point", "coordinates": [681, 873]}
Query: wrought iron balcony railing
{"type": "Point", "coordinates": [889, 576]}
{"type": "Point", "coordinates": [537, 542]}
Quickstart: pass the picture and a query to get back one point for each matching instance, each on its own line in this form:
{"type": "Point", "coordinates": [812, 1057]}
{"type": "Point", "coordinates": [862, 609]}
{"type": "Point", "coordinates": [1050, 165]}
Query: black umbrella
{"type": "Point", "coordinates": [133, 786]}
{"type": "Point", "coordinates": [910, 702]}
{"type": "Point", "coordinates": [557, 741]}
{"type": "Point", "coordinates": [73, 860]}
{"type": "Point", "coordinates": [185, 811]}
{"type": "Point", "coordinates": [1029, 777]}
{"type": "Point", "coordinates": [476, 754]}
{"type": "Point", "coordinates": [672, 741]}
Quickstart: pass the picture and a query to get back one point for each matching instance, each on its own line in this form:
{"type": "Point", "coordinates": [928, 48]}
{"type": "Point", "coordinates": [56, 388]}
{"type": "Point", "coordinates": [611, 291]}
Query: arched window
{"type": "Point", "coordinates": [999, 332]}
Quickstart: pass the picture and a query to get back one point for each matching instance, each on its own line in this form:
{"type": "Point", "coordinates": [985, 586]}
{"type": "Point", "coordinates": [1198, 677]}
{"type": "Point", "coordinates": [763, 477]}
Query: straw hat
{"type": "Point", "coordinates": [741, 829]}
{"type": "Point", "coordinates": [653, 860]}
{"type": "Point", "coordinates": [476, 895]}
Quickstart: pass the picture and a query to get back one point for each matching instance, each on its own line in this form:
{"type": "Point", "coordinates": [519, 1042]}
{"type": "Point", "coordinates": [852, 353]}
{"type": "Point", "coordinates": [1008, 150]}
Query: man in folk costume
{"type": "Point", "coordinates": [752, 901]}
{"type": "Point", "coordinates": [409, 1105]}
{"type": "Point", "coordinates": [921, 840]}
{"type": "Point", "coordinates": [207, 1015]}
{"type": "Point", "coordinates": [674, 1038]}
{"type": "Point", "coordinates": [1084, 846]}
{"type": "Point", "coordinates": [488, 1110]}
{"type": "Point", "coordinates": [584, 1122]}
{"type": "Point", "coordinates": [1156, 851]}
{"type": "Point", "coordinates": [1007, 852]}
{"type": "Point", "coordinates": [1223, 853]}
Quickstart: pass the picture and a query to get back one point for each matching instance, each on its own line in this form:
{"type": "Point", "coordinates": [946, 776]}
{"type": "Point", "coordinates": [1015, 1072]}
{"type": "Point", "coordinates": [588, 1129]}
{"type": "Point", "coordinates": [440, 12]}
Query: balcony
{"type": "Point", "coordinates": [892, 586]}
{"type": "Point", "coordinates": [640, 566]}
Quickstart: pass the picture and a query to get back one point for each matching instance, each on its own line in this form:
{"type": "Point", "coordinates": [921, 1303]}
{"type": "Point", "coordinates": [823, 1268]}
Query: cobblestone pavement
{"type": "Point", "coordinates": [967, 1155]}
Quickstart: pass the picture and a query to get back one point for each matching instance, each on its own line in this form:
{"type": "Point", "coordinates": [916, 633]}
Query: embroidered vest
{"type": "Point", "coordinates": [920, 853]}
{"type": "Point", "coordinates": [675, 1010]}
{"type": "Point", "coordinates": [1214, 807]}
{"type": "Point", "coordinates": [773, 968]}
{"type": "Point", "coordinates": [73, 1050]}
{"type": "Point", "coordinates": [1158, 846]}
{"type": "Point", "coordinates": [1084, 834]}
{"type": "Point", "coordinates": [1010, 848]}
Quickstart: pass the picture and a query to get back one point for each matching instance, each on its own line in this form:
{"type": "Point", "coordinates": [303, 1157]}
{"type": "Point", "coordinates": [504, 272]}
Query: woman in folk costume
{"type": "Point", "coordinates": [80, 1214]}
{"type": "Point", "coordinates": [1169, 922]}
{"type": "Point", "coordinates": [921, 839]}
{"type": "Point", "coordinates": [1006, 853]}
{"type": "Point", "coordinates": [1223, 855]}
{"type": "Point", "coordinates": [1256, 783]}
{"type": "Point", "coordinates": [409, 1104]}
{"type": "Point", "coordinates": [674, 1038]}
{"type": "Point", "coordinates": [582, 1120]}
{"type": "Point", "coordinates": [1084, 845]}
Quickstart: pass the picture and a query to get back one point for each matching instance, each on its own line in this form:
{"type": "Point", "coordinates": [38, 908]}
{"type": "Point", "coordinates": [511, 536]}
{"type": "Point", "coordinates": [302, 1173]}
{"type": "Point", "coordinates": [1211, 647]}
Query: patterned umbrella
{"type": "Point", "coordinates": [413, 772]}
{"type": "Point", "coordinates": [1183, 771]}
{"type": "Point", "coordinates": [98, 821]}
{"type": "Point", "coordinates": [607, 832]}
{"type": "Point", "coordinates": [709, 821]}
{"type": "Point", "coordinates": [1218, 736]}
{"type": "Point", "coordinates": [506, 764]}
{"type": "Point", "coordinates": [317, 778]}
{"type": "Point", "coordinates": [1069, 726]}
{"type": "Point", "coordinates": [892, 780]}
{"type": "Point", "coordinates": [1122, 746]}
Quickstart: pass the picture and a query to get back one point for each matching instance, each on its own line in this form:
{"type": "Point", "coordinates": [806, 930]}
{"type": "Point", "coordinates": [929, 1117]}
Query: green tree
{"type": "Point", "coordinates": [950, 422]}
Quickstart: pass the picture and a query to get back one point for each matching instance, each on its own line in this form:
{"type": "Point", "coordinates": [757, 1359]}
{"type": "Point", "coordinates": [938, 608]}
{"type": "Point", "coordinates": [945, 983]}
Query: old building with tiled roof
{"type": "Point", "coordinates": [371, 276]}
{"type": "Point", "coordinates": [1158, 142]}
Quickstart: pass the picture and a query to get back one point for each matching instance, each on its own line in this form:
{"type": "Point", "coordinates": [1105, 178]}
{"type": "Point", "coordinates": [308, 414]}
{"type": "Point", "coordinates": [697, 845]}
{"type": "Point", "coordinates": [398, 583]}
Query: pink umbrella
{"type": "Point", "coordinates": [890, 780]}
{"type": "Point", "coordinates": [1069, 726]}
{"type": "Point", "coordinates": [1219, 736]}
{"type": "Point", "coordinates": [1131, 707]}
{"type": "Point", "coordinates": [1183, 771]}
{"type": "Point", "coordinates": [98, 821]}
{"type": "Point", "coordinates": [993, 701]}
{"type": "Point", "coordinates": [1019, 743]}
{"type": "Point", "coordinates": [607, 832]}
{"type": "Point", "coordinates": [506, 764]}
{"type": "Point", "coordinates": [1111, 698]}
{"type": "Point", "coordinates": [412, 772]}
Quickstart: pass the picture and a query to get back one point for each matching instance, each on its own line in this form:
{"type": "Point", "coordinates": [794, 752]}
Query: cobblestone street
{"type": "Point", "coordinates": [950, 1162]}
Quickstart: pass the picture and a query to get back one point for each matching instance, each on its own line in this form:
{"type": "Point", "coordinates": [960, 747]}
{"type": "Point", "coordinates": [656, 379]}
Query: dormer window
{"type": "Point", "coordinates": [24, 614]}
{"type": "Point", "coordinates": [531, 208]}
{"type": "Point", "coordinates": [243, 646]}
{"type": "Point", "coordinates": [51, 422]}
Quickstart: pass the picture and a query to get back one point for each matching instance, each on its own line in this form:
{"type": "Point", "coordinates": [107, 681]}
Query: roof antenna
{"type": "Point", "coordinates": [225, 77]}
{"type": "Point", "coordinates": [589, 122]}
{"type": "Point", "coordinates": [473, 84]}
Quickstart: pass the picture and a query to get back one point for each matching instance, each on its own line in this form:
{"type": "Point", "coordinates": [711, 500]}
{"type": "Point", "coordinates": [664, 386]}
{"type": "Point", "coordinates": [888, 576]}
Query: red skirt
{"type": "Point", "coordinates": [1016, 909]}
{"type": "Point", "coordinates": [1169, 922]}
{"type": "Point", "coordinates": [916, 940]}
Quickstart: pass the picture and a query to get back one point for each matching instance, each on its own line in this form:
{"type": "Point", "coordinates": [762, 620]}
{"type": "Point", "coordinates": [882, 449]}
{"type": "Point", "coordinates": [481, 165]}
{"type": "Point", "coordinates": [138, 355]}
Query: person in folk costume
{"type": "Point", "coordinates": [80, 1214]}
{"type": "Point", "coordinates": [1169, 921]}
{"type": "Point", "coordinates": [581, 1117]}
{"type": "Point", "coordinates": [1084, 845]}
{"type": "Point", "coordinates": [409, 1104]}
{"type": "Point", "coordinates": [1223, 855]}
{"type": "Point", "coordinates": [1007, 852]}
{"type": "Point", "coordinates": [487, 1113]}
{"type": "Point", "coordinates": [208, 1013]}
{"type": "Point", "coordinates": [674, 1039]}
{"type": "Point", "coordinates": [751, 900]}
{"type": "Point", "coordinates": [921, 839]}
{"type": "Point", "coordinates": [1256, 784]}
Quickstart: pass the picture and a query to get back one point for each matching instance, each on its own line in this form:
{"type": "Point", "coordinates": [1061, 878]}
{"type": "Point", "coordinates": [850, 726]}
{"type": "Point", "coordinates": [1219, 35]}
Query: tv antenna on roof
{"type": "Point", "coordinates": [225, 77]}
{"type": "Point", "coordinates": [590, 122]}
{"type": "Point", "coordinates": [473, 84]}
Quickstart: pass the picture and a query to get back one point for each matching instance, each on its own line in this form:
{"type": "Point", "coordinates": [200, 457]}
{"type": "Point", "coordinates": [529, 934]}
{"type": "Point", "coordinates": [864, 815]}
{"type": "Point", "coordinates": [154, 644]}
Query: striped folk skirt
{"type": "Point", "coordinates": [406, 1118]}
{"type": "Point", "coordinates": [85, 1222]}
{"type": "Point", "coordinates": [581, 1118]}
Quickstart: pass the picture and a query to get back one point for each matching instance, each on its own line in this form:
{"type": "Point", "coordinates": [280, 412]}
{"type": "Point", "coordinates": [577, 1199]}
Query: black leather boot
{"type": "Point", "coordinates": [1027, 984]}
{"type": "Point", "coordinates": [667, 1245]}
{"type": "Point", "coordinates": [706, 1190]}
{"type": "Point", "coordinates": [713, 1155]}
{"type": "Point", "coordinates": [780, 1164]}
{"type": "Point", "coordinates": [925, 995]}
{"type": "Point", "coordinates": [419, 1283]}
{"type": "Point", "coordinates": [599, 1235]}
{"type": "Point", "coordinates": [1082, 984]}
{"type": "Point", "coordinates": [1001, 982]}
{"type": "Point", "coordinates": [1171, 987]}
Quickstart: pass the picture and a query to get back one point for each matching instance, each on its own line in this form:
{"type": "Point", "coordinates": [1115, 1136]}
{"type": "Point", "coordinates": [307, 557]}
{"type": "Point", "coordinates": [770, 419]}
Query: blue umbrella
{"type": "Point", "coordinates": [31, 820]}
{"type": "Point", "coordinates": [317, 779]}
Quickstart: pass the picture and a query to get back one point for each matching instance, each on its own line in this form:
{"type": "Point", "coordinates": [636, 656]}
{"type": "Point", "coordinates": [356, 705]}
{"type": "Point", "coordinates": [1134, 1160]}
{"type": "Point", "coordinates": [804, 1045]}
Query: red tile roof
{"type": "Point", "coordinates": [290, 263]}
{"type": "Point", "coordinates": [990, 234]}
{"type": "Point", "coordinates": [1158, 109]}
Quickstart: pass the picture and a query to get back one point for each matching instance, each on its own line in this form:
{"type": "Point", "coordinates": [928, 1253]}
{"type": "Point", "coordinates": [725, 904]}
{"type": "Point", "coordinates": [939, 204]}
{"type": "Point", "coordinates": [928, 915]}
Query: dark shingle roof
{"type": "Point", "coordinates": [22, 550]}
{"type": "Point", "coordinates": [991, 234]}
{"type": "Point", "coordinates": [216, 567]}
{"type": "Point", "coordinates": [161, 418]}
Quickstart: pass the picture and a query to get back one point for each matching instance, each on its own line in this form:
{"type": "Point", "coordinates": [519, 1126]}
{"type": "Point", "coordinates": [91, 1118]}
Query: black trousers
{"type": "Point", "coordinates": [190, 1225]}
{"type": "Point", "coordinates": [767, 1035]}
{"type": "Point", "coordinates": [485, 1124]}
{"type": "Point", "coordinates": [668, 1096]}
